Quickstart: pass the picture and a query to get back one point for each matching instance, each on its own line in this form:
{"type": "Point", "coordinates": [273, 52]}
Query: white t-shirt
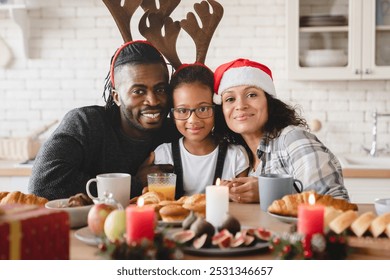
{"type": "Point", "coordinates": [198, 171]}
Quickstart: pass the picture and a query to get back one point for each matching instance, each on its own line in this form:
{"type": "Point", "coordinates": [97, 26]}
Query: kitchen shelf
{"type": "Point", "coordinates": [18, 13]}
{"type": "Point", "coordinates": [324, 29]}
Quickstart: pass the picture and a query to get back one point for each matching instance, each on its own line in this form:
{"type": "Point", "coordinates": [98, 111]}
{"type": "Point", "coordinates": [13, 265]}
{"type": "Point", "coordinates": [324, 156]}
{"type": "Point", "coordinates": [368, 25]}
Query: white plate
{"type": "Point", "coordinates": [226, 252]}
{"type": "Point", "coordinates": [86, 236]}
{"type": "Point", "coordinates": [284, 219]}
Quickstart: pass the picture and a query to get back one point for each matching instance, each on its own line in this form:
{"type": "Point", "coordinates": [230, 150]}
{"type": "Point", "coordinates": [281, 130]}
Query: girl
{"type": "Point", "coordinates": [200, 156]}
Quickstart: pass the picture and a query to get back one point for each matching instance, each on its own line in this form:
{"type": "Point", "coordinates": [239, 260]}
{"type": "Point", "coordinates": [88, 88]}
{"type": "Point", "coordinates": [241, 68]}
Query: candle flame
{"type": "Point", "coordinates": [218, 182]}
{"type": "Point", "coordinates": [312, 199]}
{"type": "Point", "coordinates": [140, 202]}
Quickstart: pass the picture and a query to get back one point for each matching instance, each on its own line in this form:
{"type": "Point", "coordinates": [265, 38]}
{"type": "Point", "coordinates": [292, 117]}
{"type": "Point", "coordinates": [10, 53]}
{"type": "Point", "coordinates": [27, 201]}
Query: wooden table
{"type": "Point", "coordinates": [249, 215]}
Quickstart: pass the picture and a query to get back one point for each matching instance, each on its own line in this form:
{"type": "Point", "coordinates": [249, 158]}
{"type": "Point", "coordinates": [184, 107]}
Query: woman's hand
{"type": "Point", "coordinates": [243, 189]}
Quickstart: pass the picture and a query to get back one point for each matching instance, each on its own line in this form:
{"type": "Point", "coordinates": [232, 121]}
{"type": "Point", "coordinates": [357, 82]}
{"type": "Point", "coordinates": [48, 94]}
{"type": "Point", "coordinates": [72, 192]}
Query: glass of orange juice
{"type": "Point", "coordinates": [164, 183]}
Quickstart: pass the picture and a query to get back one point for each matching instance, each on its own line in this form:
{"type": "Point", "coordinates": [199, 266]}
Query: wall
{"type": "Point", "coordinates": [72, 42]}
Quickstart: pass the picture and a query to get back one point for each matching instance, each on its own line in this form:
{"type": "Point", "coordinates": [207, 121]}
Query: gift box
{"type": "Point", "coordinates": [29, 232]}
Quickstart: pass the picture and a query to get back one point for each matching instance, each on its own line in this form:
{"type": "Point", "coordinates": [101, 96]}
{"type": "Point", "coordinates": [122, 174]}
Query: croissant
{"type": "Point", "coordinates": [288, 205]}
{"type": "Point", "coordinates": [21, 198]}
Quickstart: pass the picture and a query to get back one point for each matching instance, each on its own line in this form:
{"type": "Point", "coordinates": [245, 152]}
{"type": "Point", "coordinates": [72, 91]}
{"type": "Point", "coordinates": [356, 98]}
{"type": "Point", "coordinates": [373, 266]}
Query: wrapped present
{"type": "Point", "coordinates": [29, 232]}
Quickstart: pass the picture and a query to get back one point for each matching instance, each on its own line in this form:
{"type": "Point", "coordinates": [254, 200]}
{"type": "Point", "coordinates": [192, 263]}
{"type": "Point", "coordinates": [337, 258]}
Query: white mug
{"type": "Point", "coordinates": [118, 184]}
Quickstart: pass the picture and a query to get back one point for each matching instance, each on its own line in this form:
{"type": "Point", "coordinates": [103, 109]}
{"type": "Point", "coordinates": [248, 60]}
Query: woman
{"type": "Point", "coordinates": [276, 137]}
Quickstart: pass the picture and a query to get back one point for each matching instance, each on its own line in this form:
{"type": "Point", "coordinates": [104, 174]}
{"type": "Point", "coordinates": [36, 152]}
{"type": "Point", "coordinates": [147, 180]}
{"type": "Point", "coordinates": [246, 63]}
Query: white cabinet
{"type": "Point", "coordinates": [354, 28]}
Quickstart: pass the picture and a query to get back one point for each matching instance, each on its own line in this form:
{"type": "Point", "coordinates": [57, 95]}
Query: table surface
{"type": "Point", "coordinates": [249, 215]}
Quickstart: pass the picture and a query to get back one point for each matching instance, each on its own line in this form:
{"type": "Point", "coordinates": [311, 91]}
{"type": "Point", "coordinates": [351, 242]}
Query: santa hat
{"type": "Point", "coordinates": [241, 72]}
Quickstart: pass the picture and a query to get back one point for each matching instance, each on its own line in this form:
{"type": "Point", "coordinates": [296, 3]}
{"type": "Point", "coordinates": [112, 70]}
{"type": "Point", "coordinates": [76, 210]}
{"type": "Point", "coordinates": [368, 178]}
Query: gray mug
{"type": "Point", "coordinates": [275, 186]}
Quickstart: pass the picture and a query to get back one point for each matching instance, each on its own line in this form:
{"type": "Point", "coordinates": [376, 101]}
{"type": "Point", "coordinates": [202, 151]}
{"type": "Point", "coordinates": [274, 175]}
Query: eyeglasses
{"type": "Point", "coordinates": [202, 112]}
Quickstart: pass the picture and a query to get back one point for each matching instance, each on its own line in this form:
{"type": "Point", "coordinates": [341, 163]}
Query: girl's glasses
{"type": "Point", "coordinates": [202, 112]}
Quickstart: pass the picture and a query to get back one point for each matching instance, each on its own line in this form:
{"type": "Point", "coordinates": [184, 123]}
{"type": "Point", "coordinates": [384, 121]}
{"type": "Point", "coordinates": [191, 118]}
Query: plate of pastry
{"type": "Point", "coordinates": [284, 219]}
{"type": "Point", "coordinates": [86, 236]}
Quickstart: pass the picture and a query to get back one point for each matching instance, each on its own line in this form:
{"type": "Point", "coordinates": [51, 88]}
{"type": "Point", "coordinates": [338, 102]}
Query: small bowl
{"type": "Point", "coordinates": [382, 205]}
{"type": "Point", "coordinates": [78, 216]}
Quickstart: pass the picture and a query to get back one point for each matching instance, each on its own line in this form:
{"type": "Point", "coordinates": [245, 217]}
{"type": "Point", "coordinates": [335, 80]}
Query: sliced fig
{"type": "Point", "coordinates": [201, 226]}
{"type": "Point", "coordinates": [204, 241]}
{"type": "Point", "coordinates": [184, 236]}
{"type": "Point", "coordinates": [231, 224]}
{"type": "Point", "coordinates": [222, 239]}
{"type": "Point", "coordinates": [262, 234]}
{"type": "Point", "coordinates": [189, 220]}
{"type": "Point", "coordinates": [238, 242]}
{"type": "Point", "coordinates": [250, 240]}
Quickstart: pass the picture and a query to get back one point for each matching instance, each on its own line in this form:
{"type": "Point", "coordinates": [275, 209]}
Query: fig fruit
{"type": "Point", "coordinates": [201, 226]}
{"type": "Point", "coordinates": [184, 236]}
{"type": "Point", "coordinates": [231, 224]}
{"type": "Point", "coordinates": [204, 241]}
{"type": "Point", "coordinates": [189, 220]}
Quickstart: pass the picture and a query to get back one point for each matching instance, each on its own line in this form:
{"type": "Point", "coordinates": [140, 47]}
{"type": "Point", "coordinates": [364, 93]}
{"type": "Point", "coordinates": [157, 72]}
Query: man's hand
{"type": "Point", "coordinates": [148, 167]}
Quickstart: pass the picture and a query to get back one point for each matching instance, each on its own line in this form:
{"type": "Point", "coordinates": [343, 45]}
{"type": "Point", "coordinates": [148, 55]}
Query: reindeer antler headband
{"type": "Point", "coordinates": [159, 18]}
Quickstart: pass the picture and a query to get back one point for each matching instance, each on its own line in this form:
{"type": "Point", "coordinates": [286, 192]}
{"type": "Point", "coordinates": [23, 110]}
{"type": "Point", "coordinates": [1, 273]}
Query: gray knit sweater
{"type": "Point", "coordinates": [88, 142]}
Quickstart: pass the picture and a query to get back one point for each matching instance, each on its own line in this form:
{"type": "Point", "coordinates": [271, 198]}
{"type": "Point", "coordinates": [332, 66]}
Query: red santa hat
{"type": "Point", "coordinates": [241, 72]}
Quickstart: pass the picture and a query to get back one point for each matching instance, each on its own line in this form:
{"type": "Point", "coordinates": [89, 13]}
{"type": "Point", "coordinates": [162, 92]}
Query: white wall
{"type": "Point", "coordinates": [72, 42]}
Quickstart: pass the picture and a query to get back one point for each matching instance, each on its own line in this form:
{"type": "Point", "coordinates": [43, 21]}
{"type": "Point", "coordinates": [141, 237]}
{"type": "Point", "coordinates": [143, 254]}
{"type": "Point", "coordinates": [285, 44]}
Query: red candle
{"type": "Point", "coordinates": [310, 217]}
{"type": "Point", "coordinates": [139, 222]}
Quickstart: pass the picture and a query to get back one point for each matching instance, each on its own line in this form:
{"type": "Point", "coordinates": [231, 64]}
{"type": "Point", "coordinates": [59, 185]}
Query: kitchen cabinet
{"type": "Point", "coordinates": [366, 190]}
{"type": "Point", "coordinates": [338, 39]}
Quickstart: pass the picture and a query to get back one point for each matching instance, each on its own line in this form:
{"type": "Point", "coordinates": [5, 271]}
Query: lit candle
{"type": "Point", "coordinates": [217, 203]}
{"type": "Point", "coordinates": [139, 222]}
{"type": "Point", "coordinates": [310, 217]}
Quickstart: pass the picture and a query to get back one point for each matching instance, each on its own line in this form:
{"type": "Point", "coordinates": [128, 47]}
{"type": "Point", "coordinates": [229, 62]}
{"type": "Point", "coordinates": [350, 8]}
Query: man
{"type": "Point", "coordinates": [116, 138]}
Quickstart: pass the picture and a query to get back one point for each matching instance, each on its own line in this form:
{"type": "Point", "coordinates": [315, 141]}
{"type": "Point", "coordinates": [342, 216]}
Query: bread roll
{"type": "Point", "coordinates": [362, 223]}
{"type": "Point", "coordinates": [379, 224]}
{"type": "Point", "coordinates": [330, 214]}
{"type": "Point", "coordinates": [173, 213]}
{"type": "Point", "coordinates": [288, 205]}
{"type": "Point", "coordinates": [343, 221]}
{"type": "Point", "coordinates": [196, 203]}
{"type": "Point", "coordinates": [21, 198]}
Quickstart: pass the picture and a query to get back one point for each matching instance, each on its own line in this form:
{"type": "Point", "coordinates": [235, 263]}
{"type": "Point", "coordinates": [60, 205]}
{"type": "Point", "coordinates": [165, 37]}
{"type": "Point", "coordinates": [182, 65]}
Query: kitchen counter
{"type": "Point", "coordinates": [12, 168]}
{"type": "Point", "coordinates": [366, 173]}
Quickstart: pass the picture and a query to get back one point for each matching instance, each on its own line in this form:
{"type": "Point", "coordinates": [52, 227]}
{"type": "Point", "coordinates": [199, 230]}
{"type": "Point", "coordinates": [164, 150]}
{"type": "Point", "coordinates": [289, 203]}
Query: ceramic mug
{"type": "Point", "coordinates": [118, 184]}
{"type": "Point", "coordinates": [275, 186]}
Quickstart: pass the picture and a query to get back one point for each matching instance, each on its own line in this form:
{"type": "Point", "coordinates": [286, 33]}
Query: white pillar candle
{"type": "Point", "coordinates": [217, 204]}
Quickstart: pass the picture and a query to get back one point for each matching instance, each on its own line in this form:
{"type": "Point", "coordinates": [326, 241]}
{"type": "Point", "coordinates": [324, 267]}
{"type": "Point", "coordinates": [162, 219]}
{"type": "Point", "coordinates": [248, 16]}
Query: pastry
{"type": "Point", "coordinates": [362, 223]}
{"type": "Point", "coordinates": [80, 199]}
{"type": "Point", "coordinates": [196, 203]}
{"type": "Point", "coordinates": [379, 224]}
{"type": "Point", "coordinates": [343, 221]}
{"type": "Point", "coordinates": [21, 198]}
{"type": "Point", "coordinates": [387, 231]}
{"type": "Point", "coordinates": [152, 197]}
{"type": "Point", "coordinates": [169, 202]}
{"type": "Point", "coordinates": [330, 214]}
{"type": "Point", "coordinates": [288, 205]}
{"type": "Point", "coordinates": [3, 194]}
{"type": "Point", "coordinates": [173, 213]}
